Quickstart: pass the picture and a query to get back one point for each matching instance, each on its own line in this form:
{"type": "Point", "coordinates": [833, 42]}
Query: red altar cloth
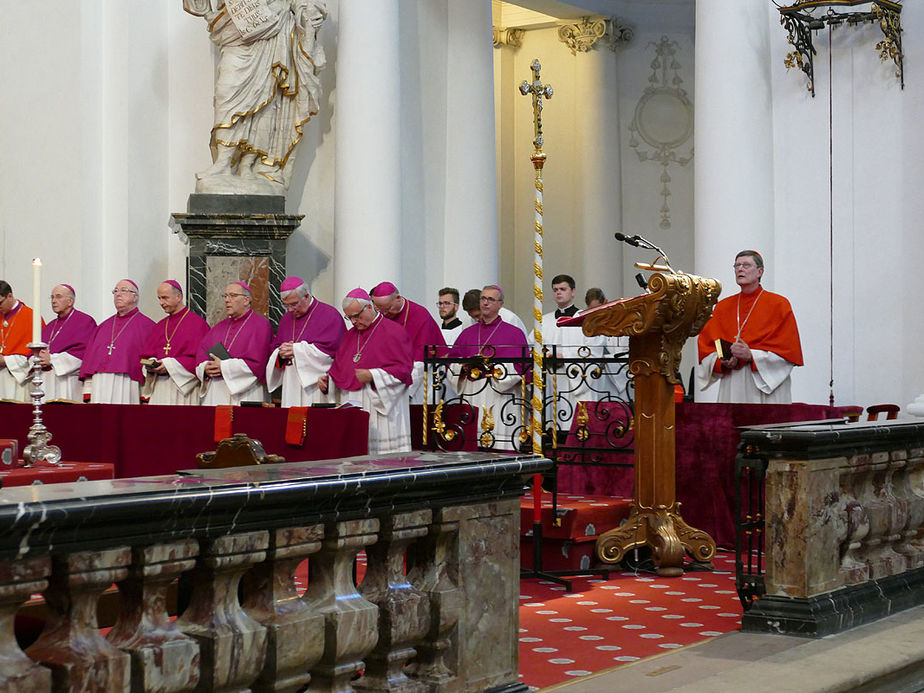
{"type": "Point", "coordinates": [145, 440]}
{"type": "Point", "coordinates": [706, 443]}
{"type": "Point", "coordinates": [55, 474]}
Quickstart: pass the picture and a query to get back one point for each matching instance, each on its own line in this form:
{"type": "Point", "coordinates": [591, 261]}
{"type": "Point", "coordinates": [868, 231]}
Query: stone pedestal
{"type": "Point", "coordinates": [235, 238]}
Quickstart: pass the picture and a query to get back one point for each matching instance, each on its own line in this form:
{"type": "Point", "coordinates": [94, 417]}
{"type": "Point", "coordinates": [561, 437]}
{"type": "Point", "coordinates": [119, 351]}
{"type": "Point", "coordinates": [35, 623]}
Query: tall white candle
{"type": "Point", "coordinates": [36, 300]}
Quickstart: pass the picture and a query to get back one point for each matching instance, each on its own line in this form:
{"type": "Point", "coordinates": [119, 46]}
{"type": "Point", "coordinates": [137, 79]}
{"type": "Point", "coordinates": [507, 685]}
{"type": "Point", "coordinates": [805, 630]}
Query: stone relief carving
{"type": "Point", "coordinates": [512, 37]}
{"type": "Point", "coordinates": [663, 119]}
{"type": "Point", "coordinates": [585, 34]}
{"type": "Point", "coordinates": [266, 89]}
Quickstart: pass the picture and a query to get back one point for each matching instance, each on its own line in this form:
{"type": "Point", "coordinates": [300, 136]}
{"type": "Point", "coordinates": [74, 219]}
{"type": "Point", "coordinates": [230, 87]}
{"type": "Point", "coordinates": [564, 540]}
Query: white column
{"type": "Point", "coordinates": [599, 200]}
{"type": "Point", "coordinates": [368, 146]}
{"type": "Point", "coordinates": [471, 175]}
{"type": "Point", "coordinates": [733, 136]}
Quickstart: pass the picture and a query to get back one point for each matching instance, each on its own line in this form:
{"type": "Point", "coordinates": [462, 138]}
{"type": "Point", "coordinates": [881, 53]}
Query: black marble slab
{"type": "Point", "coordinates": [836, 611]}
{"type": "Point", "coordinates": [814, 441]}
{"type": "Point", "coordinates": [209, 203]}
{"type": "Point", "coordinates": [203, 503]}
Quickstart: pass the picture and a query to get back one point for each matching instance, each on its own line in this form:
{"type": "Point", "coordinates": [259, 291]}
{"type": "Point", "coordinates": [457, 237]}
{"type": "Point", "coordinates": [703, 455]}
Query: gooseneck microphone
{"type": "Point", "coordinates": [631, 240]}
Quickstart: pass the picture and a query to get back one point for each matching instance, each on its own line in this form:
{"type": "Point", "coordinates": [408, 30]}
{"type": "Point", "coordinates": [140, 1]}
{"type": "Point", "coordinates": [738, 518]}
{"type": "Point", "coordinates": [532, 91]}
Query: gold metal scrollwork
{"type": "Point", "coordinates": [439, 426]}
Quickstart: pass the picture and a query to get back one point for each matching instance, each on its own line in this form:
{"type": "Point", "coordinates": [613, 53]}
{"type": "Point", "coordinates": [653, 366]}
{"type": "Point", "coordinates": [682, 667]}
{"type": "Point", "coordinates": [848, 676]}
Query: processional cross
{"type": "Point", "coordinates": [538, 90]}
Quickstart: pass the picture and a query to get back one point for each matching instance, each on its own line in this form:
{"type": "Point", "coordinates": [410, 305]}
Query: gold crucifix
{"type": "Point", "coordinates": [538, 90]}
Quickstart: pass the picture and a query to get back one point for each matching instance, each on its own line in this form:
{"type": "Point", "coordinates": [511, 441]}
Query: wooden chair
{"type": "Point", "coordinates": [890, 410]}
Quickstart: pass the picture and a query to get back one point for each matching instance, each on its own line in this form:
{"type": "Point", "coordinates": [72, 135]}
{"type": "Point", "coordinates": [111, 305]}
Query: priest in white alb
{"type": "Point", "coordinates": [111, 371]}
{"type": "Point", "coordinates": [170, 350]}
{"type": "Point", "coordinates": [373, 366]}
{"type": "Point", "coordinates": [67, 337]}
{"type": "Point", "coordinates": [232, 355]}
{"type": "Point", "coordinates": [303, 350]}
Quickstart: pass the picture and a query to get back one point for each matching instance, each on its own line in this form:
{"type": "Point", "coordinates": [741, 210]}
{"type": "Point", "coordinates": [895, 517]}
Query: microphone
{"type": "Point", "coordinates": [641, 281]}
{"type": "Point", "coordinates": [631, 240]}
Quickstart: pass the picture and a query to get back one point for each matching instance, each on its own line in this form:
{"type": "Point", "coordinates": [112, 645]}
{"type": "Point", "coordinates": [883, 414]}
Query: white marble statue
{"type": "Point", "coordinates": [266, 89]}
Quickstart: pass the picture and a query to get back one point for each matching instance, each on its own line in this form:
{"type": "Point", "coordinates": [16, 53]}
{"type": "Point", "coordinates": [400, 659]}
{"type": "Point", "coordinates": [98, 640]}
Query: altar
{"type": "Point", "coordinates": [145, 440]}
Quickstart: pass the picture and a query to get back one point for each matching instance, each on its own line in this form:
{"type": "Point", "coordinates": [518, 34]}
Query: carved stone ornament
{"type": "Point", "coordinates": [584, 35]}
{"type": "Point", "coordinates": [508, 37]}
{"type": "Point", "coordinates": [663, 119]}
{"type": "Point", "coordinates": [676, 309]}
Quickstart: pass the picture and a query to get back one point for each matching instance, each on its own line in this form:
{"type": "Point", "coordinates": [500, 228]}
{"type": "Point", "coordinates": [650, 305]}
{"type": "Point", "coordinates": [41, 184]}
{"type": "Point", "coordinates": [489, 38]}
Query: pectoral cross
{"type": "Point", "coordinates": [110, 348]}
{"type": "Point", "coordinates": [166, 349]}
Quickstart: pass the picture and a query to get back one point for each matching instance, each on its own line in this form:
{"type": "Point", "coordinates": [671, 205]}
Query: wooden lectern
{"type": "Point", "coordinates": [657, 324]}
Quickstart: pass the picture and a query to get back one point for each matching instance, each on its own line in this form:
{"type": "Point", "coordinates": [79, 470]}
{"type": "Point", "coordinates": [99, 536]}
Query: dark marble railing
{"type": "Point", "coordinates": [436, 610]}
{"type": "Point", "coordinates": [843, 524]}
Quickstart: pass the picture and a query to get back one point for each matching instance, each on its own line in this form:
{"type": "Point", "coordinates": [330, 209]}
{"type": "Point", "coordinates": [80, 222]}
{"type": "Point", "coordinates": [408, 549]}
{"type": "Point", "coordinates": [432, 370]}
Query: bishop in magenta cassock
{"type": "Point", "coordinates": [172, 345]}
{"type": "Point", "coordinates": [762, 338]}
{"type": "Point", "coordinates": [67, 337]}
{"type": "Point", "coordinates": [417, 322]}
{"type": "Point", "coordinates": [245, 335]}
{"type": "Point", "coordinates": [303, 350]}
{"type": "Point", "coordinates": [493, 397]}
{"type": "Point", "coordinates": [111, 371]}
{"type": "Point", "coordinates": [373, 366]}
{"type": "Point", "coordinates": [15, 335]}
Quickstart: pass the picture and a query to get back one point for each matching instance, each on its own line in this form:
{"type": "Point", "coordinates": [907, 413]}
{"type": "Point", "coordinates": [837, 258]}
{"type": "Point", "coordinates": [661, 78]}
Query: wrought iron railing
{"type": "Point", "coordinates": [750, 473]}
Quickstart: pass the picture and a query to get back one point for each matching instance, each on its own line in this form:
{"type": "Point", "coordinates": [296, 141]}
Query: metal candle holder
{"type": "Point", "coordinates": [38, 448]}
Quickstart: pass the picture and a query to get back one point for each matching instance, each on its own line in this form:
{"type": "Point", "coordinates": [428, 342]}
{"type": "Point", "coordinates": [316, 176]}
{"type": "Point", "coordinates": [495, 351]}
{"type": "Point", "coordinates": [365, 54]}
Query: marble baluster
{"type": "Point", "coordinates": [70, 644]}
{"type": "Point", "coordinates": [163, 659]}
{"type": "Point", "coordinates": [433, 566]}
{"type": "Point", "coordinates": [898, 513]}
{"type": "Point", "coordinates": [350, 621]}
{"type": "Point", "coordinates": [404, 610]}
{"type": "Point", "coordinates": [294, 634]}
{"type": "Point", "coordinates": [18, 581]}
{"type": "Point", "coordinates": [883, 561]}
{"type": "Point", "coordinates": [912, 490]}
{"type": "Point", "coordinates": [232, 645]}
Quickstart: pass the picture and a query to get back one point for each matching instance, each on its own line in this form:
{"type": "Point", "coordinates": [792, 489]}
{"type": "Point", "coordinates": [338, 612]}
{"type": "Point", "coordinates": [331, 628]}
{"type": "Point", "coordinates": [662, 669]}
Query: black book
{"type": "Point", "coordinates": [219, 351]}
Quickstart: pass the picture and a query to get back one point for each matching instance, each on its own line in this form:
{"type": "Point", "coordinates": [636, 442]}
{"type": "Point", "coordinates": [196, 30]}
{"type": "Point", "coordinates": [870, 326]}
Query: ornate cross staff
{"type": "Point", "coordinates": [537, 89]}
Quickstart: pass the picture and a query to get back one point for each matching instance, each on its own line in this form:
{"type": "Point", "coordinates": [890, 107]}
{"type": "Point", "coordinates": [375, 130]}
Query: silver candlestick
{"type": "Point", "coordinates": [38, 448]}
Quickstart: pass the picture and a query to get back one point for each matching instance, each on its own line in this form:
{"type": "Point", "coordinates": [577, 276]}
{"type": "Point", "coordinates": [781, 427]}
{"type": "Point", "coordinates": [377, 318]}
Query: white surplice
{"type": "Point", "coordinates": [177, 387]}
{"type": "Point", "coordinates": [299, 380]}
{"type": "Point", "coordinates": [112, 388]}
{"type": "Point", "coordinates": [15, 383]}
{"type": "Point", "coordinates": [237, 384]}
{"type": "Point", "coordinates": [769, 384]}
{"type": "Point", "coordinates": [61, 382]}
{"type": "Point", "coordinates": [389, 414]}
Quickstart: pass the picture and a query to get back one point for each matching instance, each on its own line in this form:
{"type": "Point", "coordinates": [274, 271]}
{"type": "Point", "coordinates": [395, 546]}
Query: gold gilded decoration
{"type": "Point", "coordinates": [583, 433]}
{"type": "Point", "coordinates": [487, 427]}
{"type": "Point", "coordinates": [801, 19]}
{"type": "Point", "coordinates": [439, 426]}
{"type": "Point", "coordinates": [676, 308]}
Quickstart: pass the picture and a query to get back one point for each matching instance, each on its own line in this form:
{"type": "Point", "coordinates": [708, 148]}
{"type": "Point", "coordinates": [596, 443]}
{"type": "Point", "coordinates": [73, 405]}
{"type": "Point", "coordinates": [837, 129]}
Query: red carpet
{"type": "Point", "coordinates": [610, 622]}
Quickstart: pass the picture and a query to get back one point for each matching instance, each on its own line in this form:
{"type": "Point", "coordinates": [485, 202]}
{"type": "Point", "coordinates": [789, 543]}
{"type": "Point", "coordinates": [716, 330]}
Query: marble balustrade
{"type": "Point", "coordinates": [436, 611]}
{"type": "Point", "coordinates": [844, 516]}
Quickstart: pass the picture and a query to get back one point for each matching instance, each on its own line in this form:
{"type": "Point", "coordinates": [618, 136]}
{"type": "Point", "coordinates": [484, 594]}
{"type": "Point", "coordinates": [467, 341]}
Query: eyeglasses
{"type": "Point", "coordinates": [489, 299]}
{"type": "Point", "coordinates": [121, 291]}
{"type": "Point", "coordinates": [62, 295]}
{"type": "Point", "coordinates": [355, 316]}
{"type": "Point", "coordinates": [226, 296]}
{"type": "Point", "coordinates": [443, 304]}
{"type": "Point", "coordinates": [744, 265]}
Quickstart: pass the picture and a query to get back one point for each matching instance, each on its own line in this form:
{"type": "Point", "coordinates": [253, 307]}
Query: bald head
{"type": "Point", "coordinates": [170, 298]}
